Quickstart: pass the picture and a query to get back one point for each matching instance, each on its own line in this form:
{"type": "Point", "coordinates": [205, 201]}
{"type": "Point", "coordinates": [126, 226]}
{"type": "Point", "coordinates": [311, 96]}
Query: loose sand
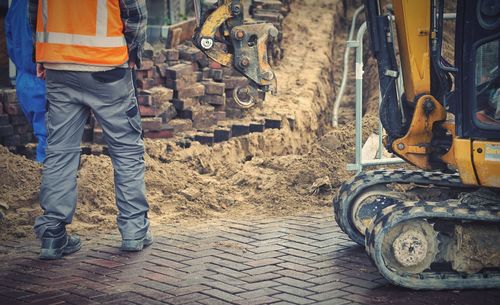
{"type": "Point", "coordinates": [279, 172]}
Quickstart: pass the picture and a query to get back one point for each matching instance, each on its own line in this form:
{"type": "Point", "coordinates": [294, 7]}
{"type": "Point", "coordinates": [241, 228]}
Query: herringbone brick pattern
{"type": "Point", "coordinates": [292, 260]}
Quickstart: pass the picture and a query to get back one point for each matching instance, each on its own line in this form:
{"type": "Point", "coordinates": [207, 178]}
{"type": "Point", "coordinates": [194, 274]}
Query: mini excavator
{"type": "Point", "coordinates": [433, 228]}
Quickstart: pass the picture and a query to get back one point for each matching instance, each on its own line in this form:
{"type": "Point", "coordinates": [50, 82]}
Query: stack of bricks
{"type": "Point", "coordinates": [201, 89]}
{"type": "Point", "coordinates": [15, 130]}
{"type": "Point", "coordinates": [272, 11]}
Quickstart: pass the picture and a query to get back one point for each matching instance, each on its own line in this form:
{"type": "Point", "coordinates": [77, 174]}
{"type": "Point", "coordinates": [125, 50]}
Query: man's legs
{"type": "Point", "coordinates": [65, 120]}
{"type": "Point", "coordinates": [111, 96]}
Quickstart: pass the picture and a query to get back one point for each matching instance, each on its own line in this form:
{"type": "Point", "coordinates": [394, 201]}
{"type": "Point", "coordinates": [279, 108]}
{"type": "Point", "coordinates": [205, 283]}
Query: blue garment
{"type": "Point", "coordinates": [30, 89]}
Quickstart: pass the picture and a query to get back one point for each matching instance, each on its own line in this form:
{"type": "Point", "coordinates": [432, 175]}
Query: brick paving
{"type": "Point", "coordinates": [291, 260]}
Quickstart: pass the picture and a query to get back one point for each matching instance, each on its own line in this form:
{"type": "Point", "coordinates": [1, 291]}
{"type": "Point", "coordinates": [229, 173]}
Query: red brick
{"type": "Point", "coordinates": [6, 130]}
{"type": "Point", "coordinates": [240, 129]}
{"type": "Point", "coordinates": [206, 73]}
{"type": "Point", "coordinates": [147, 111]}
{"type": "Point", "coordinates": [181, 83]}
{"type": "Point", "coordinates": [159, 58]}
{"type": "Point", "coordinates": [181, 125]}
{"type": "Point", "coordinates": [12, 140]}
{"type": "Point", "coordinates": [214, 65]}
{"type": "Point", "coordinates": [203, 116]}
{"type": "Point", "coordinates": [205, 138]}
{"type": "Point", "coordinates": [159, 81]}
{"type": "Point", "coordinates": [233, 113]}
{"type": "Point", "coordinates": [214, 99]}
{"type": "Point", "coordinates": [257, 127]}
{"type": "Point", "coordinates": [26, 138]}
{"type": "Point", "coordinates": [220, 115]}
{"type": "Point", "coordinates": [222, 134]}
{"type": "Point", "coordinates": [199, 76]}
{"type": "Point", "coordinates": [162, 69]}
{"type": "Point", "coordinates": [9, 96]}
{"type": "Point", "coordinates": [169, 112]}
{"type": "Point", "coordinates": [165, 133]}
{"type": "Point", "coordinates": [174, 37]}
{"type": "Point", "coordinates": [4, 118]}
{"type": "Point", "coordinates": [145, 100]}
{"type": "Point", "coordinates": [142, 74]}
{"type": "Point", "coordinates": [179, 71]}
{"type": "Point", "coordinates": [190, 54]}
{"type": "Point", "coordinates": [171, 54]}
{"type": "Point", "coordinates": [216, 74]}
{"type": "Point", "coordinates": [18, 120]}
{"type": "Point", "coordinates": [214, 88]}
{"type": "Point", "coordinates": [271, 123]}
{"type": "Point", "coordinates": [98, 136]}
{"type": "Point", "coordinates": [171, 63]}
{"type": "Point", "coordinates": [146, 64]}
{"type": "Point", "coordinates": [87, 133]}
{"type": "Point", "coordinates": [195, 66]}
{"type": "Point", "coordinates": [151, 123]}
{"type": "Point", "coordinates": [146, 83]}
{"type": "Point", "coordinates": [162, 96]}
{"type": "Point", "coordinates": [203, 63]}
{"type": "Point", "coordinates": [13, 109]}
{"type": "Point", "coordinates": [181, 104]}
{"type": "Point", "coordinates": [22, 129]}
{"type": "Point", "coordinates": [148, 52]}
{"type": "Point", "coordinates": [235, 81]}
{"type": "Point", "coordinates": [194, 90]}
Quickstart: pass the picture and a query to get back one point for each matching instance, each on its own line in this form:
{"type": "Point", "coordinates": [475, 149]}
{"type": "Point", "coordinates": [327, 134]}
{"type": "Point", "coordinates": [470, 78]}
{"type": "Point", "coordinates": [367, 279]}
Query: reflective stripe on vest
{"type": "Point", "coordinates": [81, 40]}
{"type": "Point", "coordinates": [99, 48]}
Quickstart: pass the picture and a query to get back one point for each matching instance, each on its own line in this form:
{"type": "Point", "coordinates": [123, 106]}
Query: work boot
{"type": "Point", "coordinates": [136, 245]}
{"type": "Point", "coordinates": [56, 243]}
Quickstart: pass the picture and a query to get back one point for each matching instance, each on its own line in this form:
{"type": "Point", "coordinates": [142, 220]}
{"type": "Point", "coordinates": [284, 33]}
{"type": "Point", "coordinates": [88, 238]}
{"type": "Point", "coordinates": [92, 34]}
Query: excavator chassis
{"type": "Point", "coordinates": [444, 236]}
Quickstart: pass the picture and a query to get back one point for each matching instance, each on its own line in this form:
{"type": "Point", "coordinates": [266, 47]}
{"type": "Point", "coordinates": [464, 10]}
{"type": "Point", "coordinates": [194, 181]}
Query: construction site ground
{"type": "Point", "coordinates": [248, 221]}
{"type": "Point", "coordinates": [265, 260]}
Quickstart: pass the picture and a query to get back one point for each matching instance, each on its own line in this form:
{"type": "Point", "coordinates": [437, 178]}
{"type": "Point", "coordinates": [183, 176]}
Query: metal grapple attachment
{"type": "Point", "coordinates": [224, 36]}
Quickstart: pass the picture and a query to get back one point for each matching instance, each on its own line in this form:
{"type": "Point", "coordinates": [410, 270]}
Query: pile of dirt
{"type": "Point", "coordinates": [19, 181]}
{"type": "Point", "coordinates": [279, 172]}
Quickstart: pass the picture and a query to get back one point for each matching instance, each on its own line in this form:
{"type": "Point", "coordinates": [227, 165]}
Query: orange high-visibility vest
{"type": "Point", "coordinates": [88, 32]}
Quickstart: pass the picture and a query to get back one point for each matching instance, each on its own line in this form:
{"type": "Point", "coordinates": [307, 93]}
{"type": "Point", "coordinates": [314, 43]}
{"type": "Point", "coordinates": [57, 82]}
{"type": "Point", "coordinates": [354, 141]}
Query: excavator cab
{"type": "Point", "coordinates": [478, 55]}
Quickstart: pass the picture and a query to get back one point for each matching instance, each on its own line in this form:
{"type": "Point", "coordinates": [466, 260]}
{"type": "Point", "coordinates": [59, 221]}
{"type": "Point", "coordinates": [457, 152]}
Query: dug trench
{"type": "Point", "coordinates": [293, 170]}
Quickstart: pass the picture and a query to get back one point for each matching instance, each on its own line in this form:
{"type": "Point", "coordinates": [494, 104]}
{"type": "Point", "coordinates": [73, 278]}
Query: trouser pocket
{"type": "Point", "coordinates": [109, 76]}
{"type": "Point", "coordinates": [134, 118]}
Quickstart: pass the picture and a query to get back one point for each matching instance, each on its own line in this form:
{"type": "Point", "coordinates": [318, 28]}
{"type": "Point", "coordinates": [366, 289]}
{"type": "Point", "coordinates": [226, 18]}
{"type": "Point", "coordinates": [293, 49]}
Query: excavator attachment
{"type": "Point", "coordinates": [224, 36]}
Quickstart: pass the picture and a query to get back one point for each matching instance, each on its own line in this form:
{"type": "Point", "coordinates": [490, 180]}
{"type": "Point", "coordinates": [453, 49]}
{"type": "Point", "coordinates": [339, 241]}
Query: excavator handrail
{"type": "Point", "coordinates": [359, 162]}
{"type": "Point", "coordinates": [336, 105]}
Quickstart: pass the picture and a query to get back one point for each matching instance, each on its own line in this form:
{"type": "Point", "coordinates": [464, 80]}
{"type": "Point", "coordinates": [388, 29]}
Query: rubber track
{"type": "Point", "coordinates": [420, 210]}
{"type": "Point", "coordinates": [353, 188]}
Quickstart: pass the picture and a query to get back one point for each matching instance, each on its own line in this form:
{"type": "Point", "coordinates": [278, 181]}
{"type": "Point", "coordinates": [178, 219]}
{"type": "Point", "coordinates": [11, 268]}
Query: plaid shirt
{"type": "Point", "coordinates": [134, 16]}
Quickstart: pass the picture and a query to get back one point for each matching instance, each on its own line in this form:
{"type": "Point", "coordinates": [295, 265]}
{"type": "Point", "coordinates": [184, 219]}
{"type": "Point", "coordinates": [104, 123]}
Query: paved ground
{"type": "Point", "coordinates": [295, 260]}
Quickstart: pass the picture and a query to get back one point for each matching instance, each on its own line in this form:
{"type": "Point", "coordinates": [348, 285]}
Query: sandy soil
{"type": "Point", "coordinates": [279, 172]}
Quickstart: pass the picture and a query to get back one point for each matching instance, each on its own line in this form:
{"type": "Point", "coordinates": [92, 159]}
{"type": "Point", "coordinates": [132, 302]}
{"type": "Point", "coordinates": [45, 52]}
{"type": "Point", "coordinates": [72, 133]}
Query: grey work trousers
{"type": "Point", "coordinates": [111, 97]}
